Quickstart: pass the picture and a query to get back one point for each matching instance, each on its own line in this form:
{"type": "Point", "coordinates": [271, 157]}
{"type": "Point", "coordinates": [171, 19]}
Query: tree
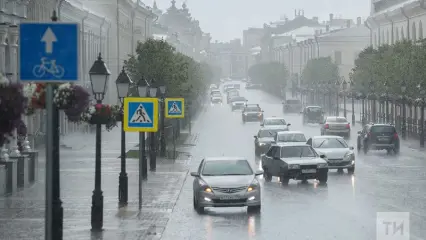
{"type": "Point", "coordinates": [273, 76]}
{"type": "Point", "coordinates": [319, 70]}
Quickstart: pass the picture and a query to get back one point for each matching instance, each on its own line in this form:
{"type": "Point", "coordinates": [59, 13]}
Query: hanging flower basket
{"type": "Point", "coordinates": [12, 105]}
{"type": "Point", "coordinates": [102, 114]}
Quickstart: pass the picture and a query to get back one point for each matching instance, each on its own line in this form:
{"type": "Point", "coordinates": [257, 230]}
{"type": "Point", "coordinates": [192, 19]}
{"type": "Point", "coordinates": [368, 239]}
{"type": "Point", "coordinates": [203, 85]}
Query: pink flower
{"type": "Point", "coordinates": [98, 106]}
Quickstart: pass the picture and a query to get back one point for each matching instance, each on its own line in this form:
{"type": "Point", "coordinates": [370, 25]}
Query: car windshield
{"type": "Point", "coordinates": [297, 152]}
{"type": "Point", "coordinates": [329, 143]}
{"type": "Point", "coordinates": [292, 137]}
{"type": "Point", "coordinates": [314, 109]}
{"type": "Point", "coordinates": [227, 167]}
{"type": "Point", "coordinates": [252, 109]}
{"type": "Point", "coordinates": [268, 132]}
{"type": "Point", "coordinates": [382, 129]}
{"type": "Point", "coordinates": [276, 121]}
{"type": "Point", "coordinates": [239, 99]}
{"type": "Point", "coordinates": [337, 119]}
{"type": "Point", "coordinates": [293, 101]}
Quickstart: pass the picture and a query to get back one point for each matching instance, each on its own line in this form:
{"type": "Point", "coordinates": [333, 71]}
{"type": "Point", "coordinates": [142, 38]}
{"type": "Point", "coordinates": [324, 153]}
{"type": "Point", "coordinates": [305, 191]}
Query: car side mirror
{"type": "Point", "coordinates": [195, 174]}
{"type": "Point", "coordinates": [288, 124]}
{"type": "Point", "coordinates": [322, 156]}
{"type": "Point", "coordinates": [262, 124]}
{"type": "Point", "coordinates": [351, 148]}
{"type": "Point", "coordinates": [258, 172]}
{"type": "Point", "coordinates": [255, 137]}
{"type": "Point", "coordinates": [359, 132]}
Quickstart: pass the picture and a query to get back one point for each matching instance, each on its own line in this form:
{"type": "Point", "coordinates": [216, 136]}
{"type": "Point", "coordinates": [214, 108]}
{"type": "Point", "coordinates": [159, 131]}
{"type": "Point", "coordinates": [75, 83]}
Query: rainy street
{"type": "Point", "coordinates": [344, 209]}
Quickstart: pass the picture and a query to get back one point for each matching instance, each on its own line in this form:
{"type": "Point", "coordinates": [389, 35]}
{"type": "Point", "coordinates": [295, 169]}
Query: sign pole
{"type": "Point", "coordinates": [49, 161]}
{"type": "Point", "coordinates": [141, 153]}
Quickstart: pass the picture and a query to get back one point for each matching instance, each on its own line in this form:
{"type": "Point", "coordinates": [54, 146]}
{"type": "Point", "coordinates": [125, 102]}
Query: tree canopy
{"type": "Point", "coordinates": [319, 71]}
{"type": "Point", "coordinates": [159, 61]}
{"type": "Point", "coordinates": [386, 69]}
{"type": "Point", "coordinates": [273, 75]}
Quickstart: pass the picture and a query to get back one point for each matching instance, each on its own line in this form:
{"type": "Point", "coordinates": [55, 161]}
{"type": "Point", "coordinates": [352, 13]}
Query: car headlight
{"type": "Point", "coordinates": [208, 190]}
{"type": "Point", "coordinates": [253, 186]}
{"type": "Point", "coordinates": [293, 166]}
{"type": "Point", "coordinates": [262, 144]}
{"type": "Point", "coordinates": [322, 165]}
{"type": "Point", "coordinates": [245, 114]}
{"type": "Point", "coordinates": [349, 156]}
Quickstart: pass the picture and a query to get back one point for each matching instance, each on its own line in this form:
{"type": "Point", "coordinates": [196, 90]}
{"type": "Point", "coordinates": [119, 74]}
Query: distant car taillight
{"type": "Point", "coordinates": [348, 126]}
{"type": "Point", "coordinates": [395, 136]}
{"type": "Point", "coordinates": [326, 126]}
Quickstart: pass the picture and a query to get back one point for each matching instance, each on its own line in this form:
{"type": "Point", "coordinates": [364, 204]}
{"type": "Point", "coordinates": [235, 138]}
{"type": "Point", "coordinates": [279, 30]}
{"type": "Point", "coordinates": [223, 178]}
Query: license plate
{"type": "Point", "coordinates": [383, 139]}
{"type": "Point", "coordinates": [309, 170]}
{"type": "Point", "coordinates": [231, 197]}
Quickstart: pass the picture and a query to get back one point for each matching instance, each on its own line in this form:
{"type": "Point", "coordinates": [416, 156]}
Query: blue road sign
{"type": "Point", "coordinates": [175, 108]}
{"type": "Point", "coordinates": [49, 52]}
{"type": "Point", "coordinates": [141, 114]}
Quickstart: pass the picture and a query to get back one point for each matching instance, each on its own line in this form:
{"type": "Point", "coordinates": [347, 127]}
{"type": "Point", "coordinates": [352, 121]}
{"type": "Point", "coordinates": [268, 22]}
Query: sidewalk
{"type": "Point", "coordinates": [22, 215]}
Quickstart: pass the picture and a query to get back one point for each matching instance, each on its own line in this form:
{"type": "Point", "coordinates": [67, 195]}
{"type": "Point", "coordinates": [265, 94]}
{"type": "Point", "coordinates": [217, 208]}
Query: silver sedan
{"type": "Point", "coordinates": [226, 182]}
{"type": "Point", "coordinates": [336, 126]}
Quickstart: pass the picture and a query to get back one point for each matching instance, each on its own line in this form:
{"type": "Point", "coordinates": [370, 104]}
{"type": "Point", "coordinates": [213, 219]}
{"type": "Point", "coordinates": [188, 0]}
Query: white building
{"type": "Point", "coordinates": [392, 22]}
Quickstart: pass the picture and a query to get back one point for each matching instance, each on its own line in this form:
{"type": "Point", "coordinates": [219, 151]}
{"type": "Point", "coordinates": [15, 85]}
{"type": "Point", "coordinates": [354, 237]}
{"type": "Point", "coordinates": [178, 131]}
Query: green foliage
{"type": "Point", "coordinates": [158, 60]}
{"type": "Point", "coordinates": [319, 71]}
{"type": "Point", "coordinates": [273, 75]}
{"type": "Point", "coordinates": [391, 66]}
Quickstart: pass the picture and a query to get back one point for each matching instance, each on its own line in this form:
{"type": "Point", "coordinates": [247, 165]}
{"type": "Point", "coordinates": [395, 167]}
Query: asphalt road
{"type": "Point", "coordinates": [344, 209]}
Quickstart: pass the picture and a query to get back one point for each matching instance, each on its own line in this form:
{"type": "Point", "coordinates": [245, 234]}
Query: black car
{"type": "Point", "coordinates": [252, 112]}
{"type": "Point", "coordinates": [292, 106]}
{"type": "Point", "coordinates": [312, 114]}
{"type": "Point", "coordinates": [378, 137]}
{"type": "Point", "coordinates": [265, 136]}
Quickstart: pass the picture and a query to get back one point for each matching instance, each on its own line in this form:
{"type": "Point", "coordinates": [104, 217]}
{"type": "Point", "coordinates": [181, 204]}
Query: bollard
{"type": "Point", "coordinates": [22, 170]}
{"type": "Point", "coordinates": [3, 175]}
{"type": "Point", "coordinates": [11, 171]}
{"type": "Point", "coordinates": [32, 162]}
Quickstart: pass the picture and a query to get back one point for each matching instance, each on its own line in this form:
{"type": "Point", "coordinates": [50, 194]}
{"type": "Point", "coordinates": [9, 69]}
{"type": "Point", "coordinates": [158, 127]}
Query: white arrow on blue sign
{"type": "Point", "coordinates": [49, 52]}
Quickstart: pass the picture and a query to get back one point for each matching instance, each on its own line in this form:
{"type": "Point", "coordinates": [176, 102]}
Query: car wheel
{"type": "Point", "coordinates": [284, 180]}
{"type": "Point", "coordinates": [254, 209]}
{"type": "Point", "coordinates": [351, 170]}
{"type": "Point", "coordinates": [323, 178]}
{"type": "Point", "coordinates": [267, 176]}
{"type": "Point", "coordinates": [196, 206]}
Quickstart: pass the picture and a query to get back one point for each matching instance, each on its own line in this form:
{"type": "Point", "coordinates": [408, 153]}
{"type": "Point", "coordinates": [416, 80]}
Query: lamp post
{"type": "Point", "coordinates": [99, 75]}
{"type": "Point", "coordinates": [353, 101]}
{"type": "Point", "coordinates": [403, 128]}
{"type": "Point", "coordinates": [386, 85]}
{"type": "Point", "coordinates": [422, 116]}
{"type": "Point", "coordinates": [163, 118]}
{"type": "Point", "coordinates": [143, 92]}
{"type": "Point", "coordinates": [123, 84]}
{"type": "Point", "coordinates": [337, 96]}
{"type": "Point", "coordinates": [153, 148]}
{"type": "Point", "coordinates": [330, 87]}
{"type": "Point", "coordinates": [344, 87]}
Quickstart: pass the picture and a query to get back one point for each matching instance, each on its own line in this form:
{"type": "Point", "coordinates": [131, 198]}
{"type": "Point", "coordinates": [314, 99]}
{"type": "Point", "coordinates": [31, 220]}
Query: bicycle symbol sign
{"type": "Point", "coordinates": [49, 52]}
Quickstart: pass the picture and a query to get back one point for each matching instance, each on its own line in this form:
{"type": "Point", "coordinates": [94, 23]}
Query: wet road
{"type": "Point", "coordinates": [344, 209]}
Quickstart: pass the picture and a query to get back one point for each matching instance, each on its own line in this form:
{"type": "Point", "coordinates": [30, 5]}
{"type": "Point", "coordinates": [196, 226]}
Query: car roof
{"type": "Point", "coordinates": [272, 118]}
{"type": "Point", "coordinates": [289, 144]}
{"type": "Point", "coordinates": [223, 158]}
{"type": "Point", "coordinates": [273, 127]}
{"type": "Point", "coordinates": [382, 124]}
{"type": "Point", "coordinates": [327, 136]}
{"type": "Point", "coordinates": [290, 132]}
{"type": "Point", "coordinates": [313, 106]}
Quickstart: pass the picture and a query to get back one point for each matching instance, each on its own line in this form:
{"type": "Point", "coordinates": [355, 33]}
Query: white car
{"type": "Point", "coordinates": [290, 136]}
{"type": "Point", "coordinates": [275, 121]}
{"type": "Point", "coordinates": [238, 103]}
{"type": "Point", "coordinates": [338, 154]}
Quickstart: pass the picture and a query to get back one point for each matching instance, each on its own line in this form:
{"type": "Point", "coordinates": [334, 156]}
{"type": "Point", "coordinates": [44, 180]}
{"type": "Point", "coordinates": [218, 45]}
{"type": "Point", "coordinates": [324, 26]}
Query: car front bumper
{"type": "Point", "coordinates": [241, 199]}
{"type": "Point", "coordinates": [298, 175]}
{"type": "Point", "coordinates": [340, 164]}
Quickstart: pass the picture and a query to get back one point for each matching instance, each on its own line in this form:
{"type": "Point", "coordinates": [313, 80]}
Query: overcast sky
{"type": "Point", "coordinates": [226, 19]}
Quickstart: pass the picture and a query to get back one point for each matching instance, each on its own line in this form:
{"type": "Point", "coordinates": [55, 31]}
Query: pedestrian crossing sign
{"type": "Point", "coordinates": [175, 107]}
{"type": "Point", "coordinates": [140, 114]}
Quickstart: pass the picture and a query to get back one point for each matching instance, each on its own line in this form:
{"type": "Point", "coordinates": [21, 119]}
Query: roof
{"type": "Point", "coordinates": [327, 136]}
{"type": "Point", "coordinates": [290, 132]}
{"type": "Point", "coordinates": [393, 8]}
{"type": "Point", "coordinates": [289, 144]}
{"type": "Point", "coordinates": [223, 158]}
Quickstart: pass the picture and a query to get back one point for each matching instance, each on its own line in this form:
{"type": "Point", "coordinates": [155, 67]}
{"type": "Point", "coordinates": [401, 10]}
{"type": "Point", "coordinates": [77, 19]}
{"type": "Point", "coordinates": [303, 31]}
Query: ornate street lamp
{"type": "Point", "coordinates": [404, 127]}
{"type": "Point", "coordinates": [123, 86]}
{"type": "Point", "coordinates": [337, 96]}
{"type": "Point", "coordinates": [352, 85]}
{"type": "Point", "coordinates": [422, 116]}
{"type": "Point", "coordinates": [163, 119]}
{"type": "Point", "coordinates": [153, 89]}
{"type": "Point", "coordinates": [99, 75]}
{"type": "Point", "coordinates": [344, 87]}
{"type": "Point", "coordinates": [143, 87]}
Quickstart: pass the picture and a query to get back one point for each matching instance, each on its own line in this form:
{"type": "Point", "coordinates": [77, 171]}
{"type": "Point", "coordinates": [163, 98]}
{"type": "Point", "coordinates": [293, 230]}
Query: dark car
{"type": "Point", "coordinates": [378, 137]}
{"type": "Point", "coordinates": [252, 112]}
{"type": "Point", "coordinates": [312, 114]}
{"type": "Point", "coordinates": [296, 161]}
{"type": "Point", "coordinates": [264, 138]}
{"type": "Point", "coordinates": [292, 106]}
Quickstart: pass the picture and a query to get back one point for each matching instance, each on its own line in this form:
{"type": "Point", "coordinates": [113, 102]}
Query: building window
{"type": "Point", "coordinates": [338, 57]}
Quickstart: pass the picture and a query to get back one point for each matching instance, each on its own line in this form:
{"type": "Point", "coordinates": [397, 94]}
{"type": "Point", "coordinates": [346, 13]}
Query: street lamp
{"type": "Point", "coordinates": [352, 85]}
{"type": "Point", "coordinates": [422, 116]}
{"type": "Point", "coordinates": [337, 96]}
{"type": "Point", "coordinates": [404, 127]}
{"type": "Point", "coordinates": [143, 92]}
{"type": "Point", "coordinates": [163, 118]}
{"type": "Point", "coordinates": [153, 149]}
{"type": "Point", "coordinates": [344, 87]}
{"type": "Point", "coordinates": [386, 85]}
{"type": "Point", "coordinates": [330, 87]}
{"type": "Point", "coordinates": [99, 75]}
{"type": "Point", "coordinates": [123, 84]}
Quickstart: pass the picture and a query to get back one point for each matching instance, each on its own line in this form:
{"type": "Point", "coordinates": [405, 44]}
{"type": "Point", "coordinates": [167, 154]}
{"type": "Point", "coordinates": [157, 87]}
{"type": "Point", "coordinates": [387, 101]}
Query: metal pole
{"type": "Point", "coordinates": [97, 213]}
{"type": "Point", "coordinates": [363, 112]}
{"type": "Point", "coordinates": [422, 124]}
{"type": "Point", "coordinates": [141, 153]}
{"type": "Point", "coordinates": [353, 110]}
{"type": "Point", "coordinates": [49, 163]}
{"type": "Point", "coordinates": [344, 105]}
{"type": "Point", "coordinates": [152, 153]}
{"type": "Point", "coordinates": [189, 116]}
{"type": "Point", "coordinates": [142, 157]}
{"type": "Point", "coordinates": [337, 103]}
{"type": "Point", "coordinates": [163, 135]}
{"type": "Point", "coordinates": [387, 111]}
{"type": "Point", "coordinates": [403, 119]}
{"type": "Point", "coordinates": [123, 179]}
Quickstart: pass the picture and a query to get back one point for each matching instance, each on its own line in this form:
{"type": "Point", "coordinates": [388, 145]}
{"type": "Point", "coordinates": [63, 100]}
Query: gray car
{"type": "Point", "coordinates": [336, 126]}
{"type": "Point", "coordinates": [226, 182]}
